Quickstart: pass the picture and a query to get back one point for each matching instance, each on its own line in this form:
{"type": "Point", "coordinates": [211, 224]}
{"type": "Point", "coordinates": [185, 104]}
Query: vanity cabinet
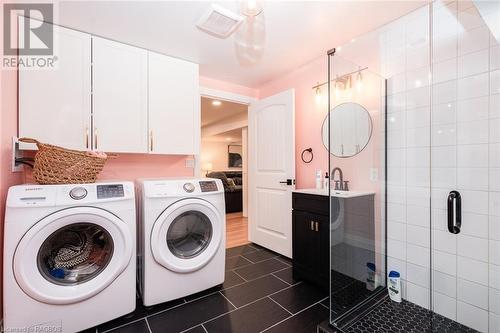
{"type": "Point", "coordinates": [310, 238]}
{"type": "Point", "coordinates": [55, 104]}
{"type": "Point", "coordinates": [120, 97]}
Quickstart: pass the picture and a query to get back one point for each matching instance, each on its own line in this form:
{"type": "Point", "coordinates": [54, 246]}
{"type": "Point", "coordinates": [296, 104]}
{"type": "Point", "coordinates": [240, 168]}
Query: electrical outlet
{"type": "Point", "coordinates": [190, 163]}
{"type": "Point", "coordinates": [373, 174]}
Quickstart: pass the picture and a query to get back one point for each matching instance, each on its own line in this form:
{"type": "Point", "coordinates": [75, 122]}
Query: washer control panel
{"type": "Point", "coordinates": [78, 193]}
{"type": "Point", "coordinates": [208, 186]}
{"type": "Point", "coordinates": [110, 191]}
{"type": "Point", "coordinates": [189, 187]}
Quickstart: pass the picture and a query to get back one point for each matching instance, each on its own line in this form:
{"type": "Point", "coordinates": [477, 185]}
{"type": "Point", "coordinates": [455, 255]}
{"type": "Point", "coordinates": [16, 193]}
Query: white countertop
{"type": "Point", "coordinates": [338, 194]}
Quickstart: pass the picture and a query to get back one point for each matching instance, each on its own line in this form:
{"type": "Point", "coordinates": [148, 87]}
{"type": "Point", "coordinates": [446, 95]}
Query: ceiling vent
{"type": "Point", "coordinates": [219, 21]}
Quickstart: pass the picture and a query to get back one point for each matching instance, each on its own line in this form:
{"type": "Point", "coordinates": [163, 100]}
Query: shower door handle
{"type": "Point", "coordinates": [454, 215]}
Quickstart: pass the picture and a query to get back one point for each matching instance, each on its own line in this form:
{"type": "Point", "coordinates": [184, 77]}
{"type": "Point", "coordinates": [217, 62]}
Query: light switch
{"type": "Point", "coordinates": [373, 174]}
{"type": "Point", "coordinates": [189, 163]}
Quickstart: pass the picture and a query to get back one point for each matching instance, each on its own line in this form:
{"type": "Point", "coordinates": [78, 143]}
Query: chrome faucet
{"type": "Point", "coordinates": [340, 185]}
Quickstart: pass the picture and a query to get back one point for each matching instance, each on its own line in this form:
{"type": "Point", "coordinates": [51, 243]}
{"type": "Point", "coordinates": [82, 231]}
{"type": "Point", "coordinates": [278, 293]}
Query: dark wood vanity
{"type": "Point", "coordinates": [311, 241]}
{"type": "Point", "coordinates": [352, 233]}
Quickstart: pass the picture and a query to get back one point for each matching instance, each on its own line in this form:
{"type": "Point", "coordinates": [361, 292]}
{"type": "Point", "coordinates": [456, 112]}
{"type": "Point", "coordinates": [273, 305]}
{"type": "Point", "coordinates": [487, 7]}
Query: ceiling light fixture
{"type": "Point", "coordinates": [251, 8]}
{"type": "Point", "coordinates": [216, 102]}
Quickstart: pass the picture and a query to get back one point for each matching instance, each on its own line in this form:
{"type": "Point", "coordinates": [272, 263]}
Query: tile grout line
{"type": "Point", "coordinates": [241, 307]}
{"type": "Point", "coordinates": [281, 306]}
{"type": "Point", "coordinates": [293, 315]}
{"type": "Point", "coordinates": [149, 327]}
{"type": "Point", "coordinates": [280, 279]}
{"type": "Point", "coordinates": [253, 263]}
{"type": "Point", "coordinates": [239, 276]}
{"type": "Point", "coordinates": [123, 325]}
{"type": "Point", "coordinates": [227, 299]}
{"type": "Point", "coordinates": [204, 328]}
{"type": "Point", "coordinates": [209, 294]}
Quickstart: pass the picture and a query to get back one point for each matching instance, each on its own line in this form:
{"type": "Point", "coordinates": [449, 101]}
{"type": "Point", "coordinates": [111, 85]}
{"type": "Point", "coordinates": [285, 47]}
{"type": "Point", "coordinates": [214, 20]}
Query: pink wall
{"type": "Point", "coordinates": [309, 117]}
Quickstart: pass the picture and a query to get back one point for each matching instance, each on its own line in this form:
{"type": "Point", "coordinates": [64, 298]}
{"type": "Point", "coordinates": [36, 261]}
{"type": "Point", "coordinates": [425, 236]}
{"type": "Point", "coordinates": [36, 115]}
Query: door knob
{"type": "Point", "coordinates": [288, 182]}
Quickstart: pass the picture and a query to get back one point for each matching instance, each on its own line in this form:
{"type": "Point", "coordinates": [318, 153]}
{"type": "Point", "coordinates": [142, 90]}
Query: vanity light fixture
{"type": "Point", "coordinates": [216, 102]}
{"type": "Point", "coordinates": [342, 82]}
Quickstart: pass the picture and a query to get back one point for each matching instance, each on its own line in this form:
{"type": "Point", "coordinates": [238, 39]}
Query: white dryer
{"type": "Point", "coordinates": [182, 236]}
{"type": "Point", "coordinates": [69, 256]}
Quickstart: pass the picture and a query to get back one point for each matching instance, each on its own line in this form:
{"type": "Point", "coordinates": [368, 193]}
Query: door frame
{"type": "Point", "coordinates": [228, 97]}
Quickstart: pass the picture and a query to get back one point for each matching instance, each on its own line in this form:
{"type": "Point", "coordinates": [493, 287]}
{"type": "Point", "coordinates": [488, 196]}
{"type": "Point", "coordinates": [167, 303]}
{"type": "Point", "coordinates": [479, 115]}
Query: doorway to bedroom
{"type": "Point", "coordinates": [223, 155]}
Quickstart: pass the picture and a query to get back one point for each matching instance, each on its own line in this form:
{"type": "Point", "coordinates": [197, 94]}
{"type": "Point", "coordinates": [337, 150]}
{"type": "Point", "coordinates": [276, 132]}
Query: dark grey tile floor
{"type": "Point", "coordinates": [259, 295]}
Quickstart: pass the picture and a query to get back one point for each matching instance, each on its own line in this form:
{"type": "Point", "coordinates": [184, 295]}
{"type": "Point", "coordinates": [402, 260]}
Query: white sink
{"type": "Point", "coordinates": [334, 193]}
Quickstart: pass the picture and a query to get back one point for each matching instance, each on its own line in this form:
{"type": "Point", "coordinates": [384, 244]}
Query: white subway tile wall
{"type": "Point", "coordinates": [444, 134]}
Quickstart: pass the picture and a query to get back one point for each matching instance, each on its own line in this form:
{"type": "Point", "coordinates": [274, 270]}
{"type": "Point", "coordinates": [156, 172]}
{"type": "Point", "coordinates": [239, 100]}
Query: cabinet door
{"type": "Point", "coordinates": [174, 106]}
{"type": "Point", "coordinates": [55, 104]}
{"type": "Point", "coordinates": [305, 242]}
{"type": "Point", "coordinates": [119, 97]}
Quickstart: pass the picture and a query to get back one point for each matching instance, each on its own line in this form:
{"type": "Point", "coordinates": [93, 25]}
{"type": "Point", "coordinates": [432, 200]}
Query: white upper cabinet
{"type": "Point", "coordinates": [55, 104]}
{"type": "Point", "coordinates": [120, 92]}
{"type": "Point", "coordinates": [174, 106]}
{"type": "Point", "coordinates": [108, 96]}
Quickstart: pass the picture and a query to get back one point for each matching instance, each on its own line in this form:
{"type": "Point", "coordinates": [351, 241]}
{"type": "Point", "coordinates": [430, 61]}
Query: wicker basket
{"type": "Point", "coordinates": [57, 165]}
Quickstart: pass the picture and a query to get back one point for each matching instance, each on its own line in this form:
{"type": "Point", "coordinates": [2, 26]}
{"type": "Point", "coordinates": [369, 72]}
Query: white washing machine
{"type": "Point", "coordinates": [182, 237]}
{"type": "Point", "coordinates": [69, 256]}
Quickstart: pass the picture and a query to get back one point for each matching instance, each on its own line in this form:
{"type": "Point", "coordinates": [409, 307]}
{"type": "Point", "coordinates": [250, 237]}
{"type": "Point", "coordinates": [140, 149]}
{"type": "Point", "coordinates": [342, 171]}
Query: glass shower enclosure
{"type": "Point", "coordinates": [414, 129]}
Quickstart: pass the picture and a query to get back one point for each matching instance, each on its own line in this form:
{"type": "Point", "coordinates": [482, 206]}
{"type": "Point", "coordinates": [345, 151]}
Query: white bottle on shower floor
{"type": "Point", "coordinates": [394, 286]}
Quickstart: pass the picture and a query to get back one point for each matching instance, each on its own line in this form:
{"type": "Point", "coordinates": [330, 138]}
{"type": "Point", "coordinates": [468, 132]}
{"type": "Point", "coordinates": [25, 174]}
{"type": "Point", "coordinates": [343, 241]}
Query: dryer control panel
{"type": "Point", "coordinates": [110, 191]}
{"type": "Point", "coordinates": [208, 186]}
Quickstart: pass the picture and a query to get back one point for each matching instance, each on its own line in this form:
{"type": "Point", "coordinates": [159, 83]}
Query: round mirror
{"type": "Point", "coordinates": [351, 129]}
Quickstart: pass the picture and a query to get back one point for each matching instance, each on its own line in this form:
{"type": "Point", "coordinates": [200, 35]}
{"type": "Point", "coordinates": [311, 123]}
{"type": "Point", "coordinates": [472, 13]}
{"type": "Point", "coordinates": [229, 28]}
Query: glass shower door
{"type": "Point", "coordinates": [357, 157]}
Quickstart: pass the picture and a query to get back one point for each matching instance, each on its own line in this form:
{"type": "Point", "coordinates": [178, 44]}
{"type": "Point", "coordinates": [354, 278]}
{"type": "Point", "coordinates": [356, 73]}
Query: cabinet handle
{"type": "Point", "coordinates": [87, 137]}
{"type": "Point", "coordinates": [150, 140]}
{"type": "Point", "coordinates": [317, 226]}
{"type": "Point", "coordinates": [95, 138]}
{"type": "Point", "coordinates": [312, 225]}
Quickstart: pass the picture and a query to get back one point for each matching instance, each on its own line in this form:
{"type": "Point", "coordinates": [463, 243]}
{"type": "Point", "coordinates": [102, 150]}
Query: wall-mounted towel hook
{"type": "Point", "coordinates": [310, 151]}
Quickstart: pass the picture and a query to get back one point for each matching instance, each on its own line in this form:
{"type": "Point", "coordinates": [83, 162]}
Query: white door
{"type": "Point", "coordinates": [271, 161]}
{"type": "Point", "coordinates": [54, 104]}
{"type": "Point", "coordinates": [120, 97]}
{"type": "Point", "coordinates": [174, 106]}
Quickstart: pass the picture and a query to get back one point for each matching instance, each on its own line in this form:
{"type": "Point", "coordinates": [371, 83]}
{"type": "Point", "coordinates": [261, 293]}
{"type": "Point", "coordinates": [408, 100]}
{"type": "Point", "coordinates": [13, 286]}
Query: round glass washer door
{"type": "Point", "coordinates": [186, 235]}
{"type": "Point", "coordinates": [72, 255]}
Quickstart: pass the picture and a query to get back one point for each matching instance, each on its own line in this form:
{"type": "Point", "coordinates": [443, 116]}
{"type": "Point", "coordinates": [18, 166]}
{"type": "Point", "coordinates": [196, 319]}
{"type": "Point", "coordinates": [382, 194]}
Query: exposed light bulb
{"type": "Point", "coordinates": [348, 84]}
{"type": "Point", "coordinates": [359, 81]}
{"type": "Point", "coordinates": [337, 90]}
{"type": "Point", "coordinates": [318, 95]}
